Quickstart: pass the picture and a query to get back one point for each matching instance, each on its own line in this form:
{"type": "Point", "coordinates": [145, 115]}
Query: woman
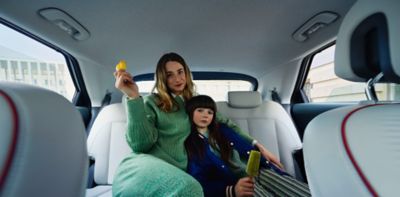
{"type": "Point", "coordinates": [156, 131]}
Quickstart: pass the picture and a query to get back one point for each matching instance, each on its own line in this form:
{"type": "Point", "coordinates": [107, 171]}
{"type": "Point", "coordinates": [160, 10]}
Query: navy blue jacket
{"type": "Point", "coordinates": [214, 174]}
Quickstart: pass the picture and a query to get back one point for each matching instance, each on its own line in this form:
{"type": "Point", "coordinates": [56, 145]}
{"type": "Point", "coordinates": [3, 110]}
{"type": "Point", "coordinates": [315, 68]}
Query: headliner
{"type": "Point", "coordinates": [249, 37]}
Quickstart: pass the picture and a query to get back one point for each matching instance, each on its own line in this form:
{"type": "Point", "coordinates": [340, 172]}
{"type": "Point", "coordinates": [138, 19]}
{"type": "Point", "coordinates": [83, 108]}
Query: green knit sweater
{"type": "Point", "coordinates": [162, 134]}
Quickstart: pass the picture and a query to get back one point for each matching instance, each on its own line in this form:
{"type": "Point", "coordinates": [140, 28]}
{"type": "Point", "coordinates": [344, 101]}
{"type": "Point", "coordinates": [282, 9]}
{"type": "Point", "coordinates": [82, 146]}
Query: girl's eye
{"type": "Point", "coordinates": [200, 110]}
{"type": "Point", "coordinates": [211, 112]}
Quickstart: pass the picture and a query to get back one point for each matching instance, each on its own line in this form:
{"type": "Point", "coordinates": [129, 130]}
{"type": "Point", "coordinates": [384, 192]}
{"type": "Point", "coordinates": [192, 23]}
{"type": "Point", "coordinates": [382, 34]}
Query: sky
{"type": "Point", "coordinates": [324, 57]}
{"type": "Point", "coordinates": [22, 44]}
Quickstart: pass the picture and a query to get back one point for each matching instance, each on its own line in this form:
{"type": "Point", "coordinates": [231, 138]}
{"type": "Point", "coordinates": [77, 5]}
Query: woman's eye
{"type": "Point", "coordinates": [210, 112]}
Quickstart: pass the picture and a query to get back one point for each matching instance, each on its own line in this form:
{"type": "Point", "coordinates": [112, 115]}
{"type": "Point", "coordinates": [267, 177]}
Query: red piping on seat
{"type": "Point", "coordinates": [14, 136]}
{"type": "Point", "coordinates": [350, 154]}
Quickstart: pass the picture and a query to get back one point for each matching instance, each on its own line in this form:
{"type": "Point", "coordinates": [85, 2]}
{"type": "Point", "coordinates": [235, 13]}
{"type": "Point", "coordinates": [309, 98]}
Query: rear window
{"type": "Point", "coordinates": [25, 60]}
{"type": "Point", "coordinates": [216, 88]}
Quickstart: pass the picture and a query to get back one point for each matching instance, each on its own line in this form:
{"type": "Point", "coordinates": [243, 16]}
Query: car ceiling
{"type": "Point", "coordinates": [251, 36]}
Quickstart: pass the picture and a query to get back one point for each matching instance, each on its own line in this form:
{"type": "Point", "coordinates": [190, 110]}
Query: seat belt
{"type": "Point", "coordinates": [106, 100]}
{"type": "Point", "coordinates": [275, 96]}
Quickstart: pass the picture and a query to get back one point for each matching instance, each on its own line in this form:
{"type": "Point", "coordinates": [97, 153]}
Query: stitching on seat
{"type": "Point", "coordinates": [350, 154]}
{"type": "Point", "coordinates": [13, 144]}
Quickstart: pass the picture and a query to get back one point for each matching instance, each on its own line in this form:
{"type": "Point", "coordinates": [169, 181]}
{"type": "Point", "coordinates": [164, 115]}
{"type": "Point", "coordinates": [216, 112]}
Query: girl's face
{"type": "Point", "coordinates": [202, 117]}
{"type": "Point", "coordinates": [176, 78]}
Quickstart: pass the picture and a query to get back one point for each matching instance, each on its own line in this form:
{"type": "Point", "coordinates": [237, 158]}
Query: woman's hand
{"type": "Point", "coordinates": [269, 156]}
{"type": "Point", "coordinates": [244, 187]}
{"type": "Point", "coordinates": [125, 83]}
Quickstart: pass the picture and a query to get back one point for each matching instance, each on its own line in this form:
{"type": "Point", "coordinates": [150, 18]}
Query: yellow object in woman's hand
{"type": "Point", "coordinates": [121, 65]}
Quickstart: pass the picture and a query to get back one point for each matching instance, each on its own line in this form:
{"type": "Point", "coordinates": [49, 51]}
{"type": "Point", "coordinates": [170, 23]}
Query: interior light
{"type": "Point", "coordinates": [314, 24]}
{"type": "Point", "coordinates": [65, 22]}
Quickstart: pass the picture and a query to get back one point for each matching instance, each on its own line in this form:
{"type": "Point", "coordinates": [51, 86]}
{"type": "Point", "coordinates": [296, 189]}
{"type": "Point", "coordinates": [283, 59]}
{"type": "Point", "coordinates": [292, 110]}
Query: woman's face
{"type": "Point", "coordinates": [202, 117]}
{"type": "Point", "coordinates": [176, 78]}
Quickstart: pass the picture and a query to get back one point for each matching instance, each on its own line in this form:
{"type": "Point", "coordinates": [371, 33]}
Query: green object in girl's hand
{"type": "Point", "coordinates": [253, 164]}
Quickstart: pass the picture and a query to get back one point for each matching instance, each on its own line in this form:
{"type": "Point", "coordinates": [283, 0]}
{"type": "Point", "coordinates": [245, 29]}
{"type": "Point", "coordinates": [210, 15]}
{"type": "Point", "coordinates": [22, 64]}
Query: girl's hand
{"type": "Point", "coordinates": [125, 83]}
{"type": "Point", "coordinates": [244, 187]}
{"type": "Point", "coordinates": [269, 156]}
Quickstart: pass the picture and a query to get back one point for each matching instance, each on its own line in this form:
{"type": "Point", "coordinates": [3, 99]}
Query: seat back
{"type": "Point", "coordinates": [266, 121]}
{"type": "Point", "coordinates": [42, 143]}
{"type": "Point", "coordinates": [107, 145]}
{"type": "Point", "coordinates": [354, 151]}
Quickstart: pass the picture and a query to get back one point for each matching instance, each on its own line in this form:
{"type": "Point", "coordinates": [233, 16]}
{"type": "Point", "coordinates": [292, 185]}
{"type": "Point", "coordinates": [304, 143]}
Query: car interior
{"type": "Point", "coordinates": [314, 81]}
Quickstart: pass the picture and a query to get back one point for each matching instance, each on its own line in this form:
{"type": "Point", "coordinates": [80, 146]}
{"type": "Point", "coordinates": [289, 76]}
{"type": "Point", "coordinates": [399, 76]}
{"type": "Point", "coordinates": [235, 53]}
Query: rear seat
{"type": "Point", "coordinates": [107, 147]}
{"type": "Point", "coordinates": [267, 122]}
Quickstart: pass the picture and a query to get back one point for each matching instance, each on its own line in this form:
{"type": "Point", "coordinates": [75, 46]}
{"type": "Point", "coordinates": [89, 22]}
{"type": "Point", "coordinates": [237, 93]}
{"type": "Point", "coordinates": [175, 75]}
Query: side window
{"type": "Point", "coordinates": [322, 85]}
{"type": "Point", "coordinates": [25, 60]}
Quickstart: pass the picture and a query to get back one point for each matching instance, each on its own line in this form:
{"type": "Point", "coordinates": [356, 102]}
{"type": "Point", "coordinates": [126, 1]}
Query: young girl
{"type": "Point", "coordinates": [217, 158]}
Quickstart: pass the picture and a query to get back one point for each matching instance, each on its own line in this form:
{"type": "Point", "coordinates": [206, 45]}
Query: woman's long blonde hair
{"type": "Point", "coordinates": [165, 100]}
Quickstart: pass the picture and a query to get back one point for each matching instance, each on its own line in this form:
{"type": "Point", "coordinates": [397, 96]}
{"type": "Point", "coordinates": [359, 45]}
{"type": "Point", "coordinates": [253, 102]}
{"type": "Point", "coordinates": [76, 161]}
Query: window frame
{"type": "Point", "coordinates": [298, 95]}
{"type": "Point", "coordinates": [81, 96]}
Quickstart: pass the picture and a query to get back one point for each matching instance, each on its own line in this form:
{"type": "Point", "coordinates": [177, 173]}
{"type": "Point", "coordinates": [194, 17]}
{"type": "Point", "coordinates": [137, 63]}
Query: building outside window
{"type": "Point", "coordinates": [25, 60]}
{"type": "Point", "coordinates": [322, 84]}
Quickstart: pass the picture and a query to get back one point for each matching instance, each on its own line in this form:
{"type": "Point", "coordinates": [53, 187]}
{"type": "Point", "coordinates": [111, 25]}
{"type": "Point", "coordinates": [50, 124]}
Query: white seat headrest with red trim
{"type": "Point", "coordinates": [354, 151]}
{"type": "Point", "coordinates": [42, 143]}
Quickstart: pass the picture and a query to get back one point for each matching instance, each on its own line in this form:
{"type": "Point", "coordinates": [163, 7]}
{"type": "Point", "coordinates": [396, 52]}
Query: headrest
{"type": "Point", "coordinates": [244, 99]}
{"type": "Point", "coordinates": [43, 143]}
{"type": "Point", "coordinates": [368, 42]}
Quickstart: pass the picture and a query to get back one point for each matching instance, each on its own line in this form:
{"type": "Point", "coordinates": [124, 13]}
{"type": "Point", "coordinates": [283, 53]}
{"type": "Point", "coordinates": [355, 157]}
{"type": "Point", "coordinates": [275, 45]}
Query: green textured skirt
{"type": "Point", "coordinates": [146, 175]}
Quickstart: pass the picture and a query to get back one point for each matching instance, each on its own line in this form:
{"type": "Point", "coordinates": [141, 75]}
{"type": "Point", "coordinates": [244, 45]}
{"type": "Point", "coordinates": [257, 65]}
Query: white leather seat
{"type": "Point", "coordinates": [354, 151]}
{"type": "Point", "coordinates": [267, 122]}
{"type": "Point", "coordinates": [107, 146]}
{"type": "Point", "coordinates": [42, 143]}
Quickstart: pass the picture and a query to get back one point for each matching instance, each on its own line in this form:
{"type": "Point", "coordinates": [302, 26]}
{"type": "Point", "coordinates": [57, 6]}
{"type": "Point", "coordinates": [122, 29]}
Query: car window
{"type": "Point", "coordinates": [322, 84]}
{"type": "Point", "coordinates": [25, 60]}
{"type": "Point", "coordinates": [217, 89]}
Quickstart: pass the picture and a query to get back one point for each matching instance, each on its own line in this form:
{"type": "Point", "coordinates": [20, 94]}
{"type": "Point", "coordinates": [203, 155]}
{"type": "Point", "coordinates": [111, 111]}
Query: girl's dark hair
{"type": "Point", "coordinates": [193, 144]}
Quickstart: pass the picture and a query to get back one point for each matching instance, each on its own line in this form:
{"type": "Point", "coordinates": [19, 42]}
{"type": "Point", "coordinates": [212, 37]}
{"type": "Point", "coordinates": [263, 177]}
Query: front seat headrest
{"type": "Point", "coordinates": [43, 143]}
{"type": "Point", "coordinates": [368, 42]}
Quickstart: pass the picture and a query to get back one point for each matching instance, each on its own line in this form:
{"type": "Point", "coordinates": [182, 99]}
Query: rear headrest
{"type": "Point", "coordinates": [368, 42]}
{"type": "Point", "coordinates": [43, 143]}
{"type": "Point", "coordinates": [244, 99]}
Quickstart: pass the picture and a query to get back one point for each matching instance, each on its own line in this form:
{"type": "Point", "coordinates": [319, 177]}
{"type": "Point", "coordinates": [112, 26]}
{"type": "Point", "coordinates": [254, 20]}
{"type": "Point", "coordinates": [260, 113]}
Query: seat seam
{"type": "Point", "coordinates": [14, 138]}
{"type": "Point", "coordinates": [348, 150]}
